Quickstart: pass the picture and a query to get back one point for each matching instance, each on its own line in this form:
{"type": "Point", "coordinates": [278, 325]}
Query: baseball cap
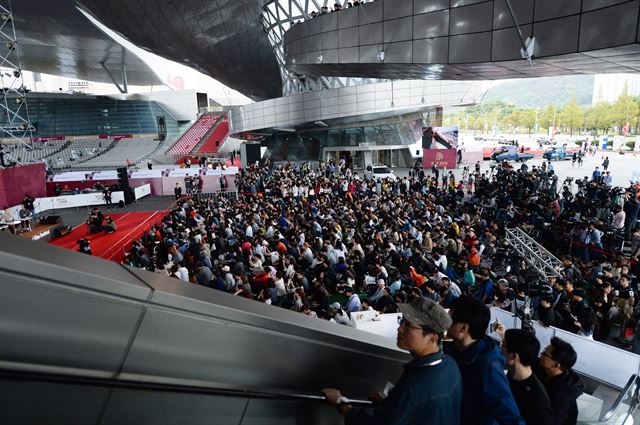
{"type": "Point", "coordinates": [425, 312]}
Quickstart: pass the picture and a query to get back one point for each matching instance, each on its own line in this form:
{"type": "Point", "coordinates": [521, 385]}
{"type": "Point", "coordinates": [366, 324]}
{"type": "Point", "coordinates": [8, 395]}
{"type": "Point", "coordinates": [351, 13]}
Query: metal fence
{"type": "Point", "coordinates": [228, 195]}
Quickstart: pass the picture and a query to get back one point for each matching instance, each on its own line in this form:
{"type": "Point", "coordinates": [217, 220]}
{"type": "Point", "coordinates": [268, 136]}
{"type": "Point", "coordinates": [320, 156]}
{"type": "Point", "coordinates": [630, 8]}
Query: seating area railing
{"type": "Point", "coordinates": [193, 135]}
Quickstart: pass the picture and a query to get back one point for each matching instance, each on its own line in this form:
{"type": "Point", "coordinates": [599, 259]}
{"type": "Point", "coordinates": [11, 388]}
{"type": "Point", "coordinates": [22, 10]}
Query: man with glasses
{"type": "Point", "coordinates": [430, 388]}
{"type": "Point", "coordinates": [562, 384]}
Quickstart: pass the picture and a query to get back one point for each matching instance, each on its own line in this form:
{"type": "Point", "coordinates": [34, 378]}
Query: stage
{"type": "Point", "coordinates": [130, 226]}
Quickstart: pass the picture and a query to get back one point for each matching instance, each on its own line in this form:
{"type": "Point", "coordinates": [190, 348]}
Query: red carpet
{"type": "Point", "coordinates": [110, 246]}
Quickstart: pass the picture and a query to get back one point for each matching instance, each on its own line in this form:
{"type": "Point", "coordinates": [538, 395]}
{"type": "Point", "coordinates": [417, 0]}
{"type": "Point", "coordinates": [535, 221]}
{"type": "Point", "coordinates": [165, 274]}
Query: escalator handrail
{"type": "Point", "coordinates": [68, 379]}
{"type": "Point", "coordinates": [632, 384]}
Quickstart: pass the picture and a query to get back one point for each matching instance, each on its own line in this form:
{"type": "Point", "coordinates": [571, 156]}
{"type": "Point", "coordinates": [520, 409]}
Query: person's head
{"type": "Point", "coordinates": [558, 357]}
{"type": "Point", "coordinates": [470, 319]}
{"type": "Point", "coordinates": [578, 294]}
{"type": "Point", "coordinates": [520, 347]}
{"type": "Point", "coordinates": [423, 324]}
{"type": "Point", "coordinates": [546, 300]}
{"type": "Point", "coordinates": [624, 281]}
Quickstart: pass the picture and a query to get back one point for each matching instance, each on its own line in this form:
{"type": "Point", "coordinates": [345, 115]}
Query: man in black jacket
{"type": "Point", "coordinates": [583, 316]}
{"type": "Point", "coordinates": [521, 349]}
{"type": "Point", "coordinates": [562, 384]}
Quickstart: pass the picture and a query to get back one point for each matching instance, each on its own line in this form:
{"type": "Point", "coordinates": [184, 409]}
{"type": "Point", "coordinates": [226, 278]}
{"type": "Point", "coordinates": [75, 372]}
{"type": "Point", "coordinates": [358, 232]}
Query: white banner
{"type": "Point", "coordinates": [183, 172]}
{"type": "Point", "coordinates": [142, 191]}
{"type": "Point", "coordinates": [75, 201]}
{"type": "Point", "coordinates": [146, 174]}
{"type": "Point", "coordinates": [71, 176]}
{"type": "Point", "coordinates": [105, 175]}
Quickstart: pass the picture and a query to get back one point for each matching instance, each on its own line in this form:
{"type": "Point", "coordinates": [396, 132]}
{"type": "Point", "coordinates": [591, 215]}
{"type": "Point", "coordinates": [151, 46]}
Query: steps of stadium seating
{"type": "Point", "coordinates": [188, 141]}
{"type": "Point", "coordinates": [216, 139]}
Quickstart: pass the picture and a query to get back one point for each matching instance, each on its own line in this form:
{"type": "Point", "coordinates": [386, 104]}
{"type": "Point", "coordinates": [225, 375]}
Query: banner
{"type": "Point", "coordinates": [442, 158]}
{"type": "Point", "coordinates": [115, 136]}
{"type": "Point", "coordinates": [446, 137]}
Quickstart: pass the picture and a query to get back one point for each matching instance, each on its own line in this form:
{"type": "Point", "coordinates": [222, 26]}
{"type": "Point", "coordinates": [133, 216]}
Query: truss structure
{"type": "Point", "coordinates": [533, 253]}
{"type": "Point", "coordinates": [277, 17]}
{"type": "Point", "coordinates": [15, 125]}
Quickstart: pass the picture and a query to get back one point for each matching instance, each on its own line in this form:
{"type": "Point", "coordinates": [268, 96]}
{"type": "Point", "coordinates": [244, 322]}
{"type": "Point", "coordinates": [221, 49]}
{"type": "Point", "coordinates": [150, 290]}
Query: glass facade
{"type": "Point", "coordinates": [314, 145]}
{"type": "Point", "coordinates": [55, 116]}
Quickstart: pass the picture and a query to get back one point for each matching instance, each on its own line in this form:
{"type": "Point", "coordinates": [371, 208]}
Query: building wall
{"type": "Point", "coordinates": [182, 104]}
{"type": "Point", "coordinates": [608, 87]}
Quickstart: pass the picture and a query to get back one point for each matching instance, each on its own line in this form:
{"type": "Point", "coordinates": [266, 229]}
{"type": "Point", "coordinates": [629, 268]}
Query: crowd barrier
{"type": "Point", "coordinates": [620, 364]}
{"type": "Point", "coordinates": [592, 355]}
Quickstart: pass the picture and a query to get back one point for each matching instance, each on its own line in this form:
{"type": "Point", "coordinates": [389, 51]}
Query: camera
{"type": "Point", "coordinates": [85, 246]}
{"type": "Point", "coordinates": [539, 288]}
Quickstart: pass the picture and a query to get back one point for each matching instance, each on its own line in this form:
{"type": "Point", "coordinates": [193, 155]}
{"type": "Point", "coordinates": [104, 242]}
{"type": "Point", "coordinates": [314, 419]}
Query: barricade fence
{"type": "Point", "coordinates": [230, 195]}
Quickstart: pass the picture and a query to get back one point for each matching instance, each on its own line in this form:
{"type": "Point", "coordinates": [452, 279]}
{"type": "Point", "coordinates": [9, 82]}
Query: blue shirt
{"type": "Point", "coordinates": [487, 398]}
{"type": "Point", "coordinates": [428, 392]}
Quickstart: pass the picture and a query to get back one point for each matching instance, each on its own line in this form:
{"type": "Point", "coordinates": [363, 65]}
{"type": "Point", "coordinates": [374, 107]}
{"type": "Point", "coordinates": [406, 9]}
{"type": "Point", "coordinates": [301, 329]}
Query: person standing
{"type": "Point", "coordinates": [430, 388]}
{"type": "Point", "coordinates": [521, 348]}
{"type": "Point", "coordinates": [562, 384]}
{"type": "Point", "coordinates": [487, 397]}
{"type": "Point", "coordinates": [177, 190]}
{"type": "Point", "coordinates": [605, 164]}
{"type": "Point", "coordinates": [29, 204]}
{"type": "Point", "coordinates": [106, 195]}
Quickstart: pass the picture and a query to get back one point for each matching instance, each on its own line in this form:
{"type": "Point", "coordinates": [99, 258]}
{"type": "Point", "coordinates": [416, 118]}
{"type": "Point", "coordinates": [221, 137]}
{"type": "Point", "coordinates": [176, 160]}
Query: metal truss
{"type": "Point", "coordinates": [533, 253]}
{"type": "Point", "coordinates": [277, 18]}
{"type": "Point", "coordinates": [15, 125]}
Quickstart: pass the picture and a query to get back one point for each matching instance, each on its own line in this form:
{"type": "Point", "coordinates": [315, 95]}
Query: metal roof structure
{"type": "Point", "coordinates": [61, 41]}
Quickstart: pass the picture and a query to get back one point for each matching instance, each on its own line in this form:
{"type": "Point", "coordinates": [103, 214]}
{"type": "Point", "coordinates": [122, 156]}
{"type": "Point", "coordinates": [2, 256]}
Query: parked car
{"type": "Point", "coordinates": [510, 153]}
{"type": "Point", "coordinates": [558, 152]}
{"type": "Point", "coordinates": [379, 171]}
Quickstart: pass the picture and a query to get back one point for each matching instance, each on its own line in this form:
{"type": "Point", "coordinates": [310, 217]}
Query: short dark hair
{"type": "Point", "coordinates": [473, 312]}
{"type": "Point", "coordinates": [524, 344]}
{"type": "Point", "coordinates": [563, 353]}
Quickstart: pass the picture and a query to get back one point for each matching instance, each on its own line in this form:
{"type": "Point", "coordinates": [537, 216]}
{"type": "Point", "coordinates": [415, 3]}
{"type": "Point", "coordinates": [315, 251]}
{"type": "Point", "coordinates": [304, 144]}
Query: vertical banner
{"type": "Point", "coordinates": [442, 158]}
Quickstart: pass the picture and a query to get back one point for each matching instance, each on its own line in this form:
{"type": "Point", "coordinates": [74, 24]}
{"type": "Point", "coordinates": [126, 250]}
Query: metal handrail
{"type": "Point", "coordinates": [632, 384]}
{"type": "Point", "coordinates": [163, 387]}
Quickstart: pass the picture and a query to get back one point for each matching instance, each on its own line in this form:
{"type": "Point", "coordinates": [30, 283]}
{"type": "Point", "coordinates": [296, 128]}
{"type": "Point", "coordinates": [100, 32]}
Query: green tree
{"type": "Point", "coordinates": [572, 115]}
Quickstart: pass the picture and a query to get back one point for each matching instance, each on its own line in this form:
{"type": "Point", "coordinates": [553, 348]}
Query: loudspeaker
{"type": "Point", "coordinates": [64, 230]}
{"type": "Point", "coordinates": [129, 195]}
{"type": "Point", "coordinates": [123, 177]}
{"type": "Point", "coordinates": [52, 219]}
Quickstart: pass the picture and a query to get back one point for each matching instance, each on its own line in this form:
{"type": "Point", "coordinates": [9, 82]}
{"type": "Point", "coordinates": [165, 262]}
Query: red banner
{"type": "Point", "coordinates": [115, 136]}
{"type": "Point", "coordinates": [443, 158]}
{"type": "Point", "coordinates": [15, 182]}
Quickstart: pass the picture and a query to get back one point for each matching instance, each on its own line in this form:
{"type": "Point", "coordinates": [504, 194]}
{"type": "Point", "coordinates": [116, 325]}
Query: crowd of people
{"type": "Point", "coordinates": [325, 10]}
{"type": "Point", "coordinates": [328, 243]}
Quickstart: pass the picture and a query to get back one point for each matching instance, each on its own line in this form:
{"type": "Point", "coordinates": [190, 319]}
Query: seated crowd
{"type": "Point", "coordinates": [300, 238]}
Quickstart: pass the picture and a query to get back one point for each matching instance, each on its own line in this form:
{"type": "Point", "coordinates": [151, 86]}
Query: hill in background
{"type": "Point", "coordinates": [540, 92]}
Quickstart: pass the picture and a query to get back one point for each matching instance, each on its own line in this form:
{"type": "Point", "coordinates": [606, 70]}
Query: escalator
{"type": "Point", "coordinates": [622, 410]}
{"type": "Point", "coordinates": [86, 341]}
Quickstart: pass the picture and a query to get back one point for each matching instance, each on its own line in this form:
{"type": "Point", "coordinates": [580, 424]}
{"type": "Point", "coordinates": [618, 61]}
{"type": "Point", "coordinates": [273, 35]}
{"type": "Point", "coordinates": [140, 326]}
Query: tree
{"type": "Point", "coordinates": [572, 115]}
